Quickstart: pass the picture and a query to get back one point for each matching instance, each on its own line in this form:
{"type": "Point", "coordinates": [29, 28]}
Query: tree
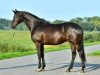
{"type": "Point", "coordinates": [88, 23]}
{"type": "Point", "coordinates": [58, 21]}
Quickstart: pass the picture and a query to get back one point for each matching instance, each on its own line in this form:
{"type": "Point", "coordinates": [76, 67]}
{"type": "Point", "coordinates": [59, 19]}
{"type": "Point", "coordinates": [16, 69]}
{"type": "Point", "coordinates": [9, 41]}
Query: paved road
{"type": "Point", "coordinates": [57, 63]}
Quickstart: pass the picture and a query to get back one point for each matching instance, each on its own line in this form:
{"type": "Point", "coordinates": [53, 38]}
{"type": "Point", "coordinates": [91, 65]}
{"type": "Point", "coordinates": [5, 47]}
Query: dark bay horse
{"type": "Point", "coordinates": [44, 33]}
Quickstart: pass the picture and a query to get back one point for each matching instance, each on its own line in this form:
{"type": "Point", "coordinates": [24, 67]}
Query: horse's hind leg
{"type": "Point", "coordinates": [73, 49]}
{"type": "Point", "coordinates": [82, 57]}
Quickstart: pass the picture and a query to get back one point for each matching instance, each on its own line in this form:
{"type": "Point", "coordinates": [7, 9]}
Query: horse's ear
{"type": "Point", "coordinates": [15, 11]}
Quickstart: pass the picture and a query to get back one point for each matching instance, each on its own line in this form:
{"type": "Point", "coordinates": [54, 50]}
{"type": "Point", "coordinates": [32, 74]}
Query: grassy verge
{"type": "Point", "coordinates": [15, 54]}
{"type": "Point", "coordinates": [96, 53]}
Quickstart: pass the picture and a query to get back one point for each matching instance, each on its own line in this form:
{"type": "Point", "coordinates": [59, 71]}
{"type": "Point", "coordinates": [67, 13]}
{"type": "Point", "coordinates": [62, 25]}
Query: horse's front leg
{"type": "Point", "coordinates": [40, 53]}
{"type": "Point", "coordinates": [38, 46]}
{"type": "Point", "coordinates": [42, 56]}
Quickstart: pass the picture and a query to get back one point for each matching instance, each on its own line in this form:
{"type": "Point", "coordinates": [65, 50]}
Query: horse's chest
{"type": "Point", "coordinates": [37, 37]}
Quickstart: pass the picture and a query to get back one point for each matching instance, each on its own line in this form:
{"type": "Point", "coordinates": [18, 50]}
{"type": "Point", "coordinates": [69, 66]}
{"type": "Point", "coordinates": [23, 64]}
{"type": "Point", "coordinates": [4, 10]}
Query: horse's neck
{"type": "Point", "coordinates": [28, 25]}
{"type": "Point", "coordinates": [31, 23]}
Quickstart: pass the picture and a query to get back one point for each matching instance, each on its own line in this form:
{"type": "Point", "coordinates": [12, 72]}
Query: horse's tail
{"type": "Point", "coordinates": [82, 49]}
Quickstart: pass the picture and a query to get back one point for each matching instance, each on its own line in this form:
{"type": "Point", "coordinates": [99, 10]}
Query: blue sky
{"type": "Point", "coordinates": [51, 9]}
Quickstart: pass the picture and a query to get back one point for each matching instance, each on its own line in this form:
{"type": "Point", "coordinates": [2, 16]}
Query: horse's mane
{"type": "Point", "coordinates": [28, 13]}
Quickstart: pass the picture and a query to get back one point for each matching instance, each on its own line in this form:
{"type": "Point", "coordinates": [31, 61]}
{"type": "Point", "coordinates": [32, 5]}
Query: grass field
{"type": "Point", "coordinates": [95, 53]}
{"type": "Point", "coordinates": [22, 45]}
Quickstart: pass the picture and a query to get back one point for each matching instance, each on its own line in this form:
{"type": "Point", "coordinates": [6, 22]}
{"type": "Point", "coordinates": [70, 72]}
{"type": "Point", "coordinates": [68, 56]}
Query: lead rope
{"type": "Point", "coordinates": [10, 38]}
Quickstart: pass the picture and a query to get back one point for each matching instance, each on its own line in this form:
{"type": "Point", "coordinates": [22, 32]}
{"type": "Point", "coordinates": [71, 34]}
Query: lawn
{"type": "Point", "coordinates": [95, 53]}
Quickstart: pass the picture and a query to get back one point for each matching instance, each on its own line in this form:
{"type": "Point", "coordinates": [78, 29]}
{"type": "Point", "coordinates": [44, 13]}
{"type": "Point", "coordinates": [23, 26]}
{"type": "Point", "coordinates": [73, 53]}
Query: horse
{"type": "Point", "coordinates": [45, 33]}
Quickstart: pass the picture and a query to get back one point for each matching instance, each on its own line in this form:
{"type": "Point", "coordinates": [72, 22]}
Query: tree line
{"type": "Point", "coordinates": [88, 23]}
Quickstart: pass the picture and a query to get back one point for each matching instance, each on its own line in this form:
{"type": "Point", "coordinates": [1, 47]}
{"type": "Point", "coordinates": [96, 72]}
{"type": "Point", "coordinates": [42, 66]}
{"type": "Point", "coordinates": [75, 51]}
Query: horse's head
{"type": "Point", "coordinates": [17, 19]}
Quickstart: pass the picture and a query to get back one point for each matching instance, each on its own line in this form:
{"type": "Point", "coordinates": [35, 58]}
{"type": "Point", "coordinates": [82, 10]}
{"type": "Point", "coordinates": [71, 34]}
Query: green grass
{"type": "Point", "coordinates": [15, 54]}
{"type": "Point", "coordinates": [95, 53]}
{"type": "Point", "coordinates": [21, 44]}
{"type": "Point", "coordinates": [91, 43]}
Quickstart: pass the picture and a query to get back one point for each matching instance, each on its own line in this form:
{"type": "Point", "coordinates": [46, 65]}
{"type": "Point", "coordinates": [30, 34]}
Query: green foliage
{"type": "Point", "coordinates": [96, 35]}
{"type": "Point", "coordinates": [87, 26]}
{"type": "Point", "coordinates": [6, 47]}
{"type": "Point", "coordinates": [4, 24]}
{"type": "Point", "coordinates": [92, 36]}
{"type": "Point", "coordinates": [95, 53]}
{"type": "Point", "coordinates": [58, 21]}
{"type": "Point", "coordinates": [89, 38]}
{"type": "Point", "coordinates": [88, 23]}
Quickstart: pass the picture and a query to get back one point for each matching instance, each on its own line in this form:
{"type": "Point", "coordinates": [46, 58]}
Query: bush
{"type": "Point", "coordinates": [8, 47]}
{"type": "Point", "coordinates": [96, 35]}
{"type": "Point", "coordinates": [89, 38]}
{"type": "Point", "coordinates": [92, 36]}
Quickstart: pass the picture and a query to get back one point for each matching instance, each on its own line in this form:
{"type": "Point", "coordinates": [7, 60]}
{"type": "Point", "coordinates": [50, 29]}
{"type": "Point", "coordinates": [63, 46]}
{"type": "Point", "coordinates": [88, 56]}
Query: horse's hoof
{"type": "Point", "coordinates": [39, 70]}
{"type": "Point", "coordinates": [68, 70]}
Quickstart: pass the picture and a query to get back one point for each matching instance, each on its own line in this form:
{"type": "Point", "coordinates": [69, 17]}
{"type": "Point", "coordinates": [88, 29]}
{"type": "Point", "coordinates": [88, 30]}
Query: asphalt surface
{"type": "Point", "coordinates": [57, 63]}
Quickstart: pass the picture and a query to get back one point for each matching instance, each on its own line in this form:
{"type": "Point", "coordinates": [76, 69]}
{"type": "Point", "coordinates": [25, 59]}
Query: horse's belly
{"type": "Point", "coordinates": [54, 40]}
{"type": "Point", "coordinates": [49, 39]}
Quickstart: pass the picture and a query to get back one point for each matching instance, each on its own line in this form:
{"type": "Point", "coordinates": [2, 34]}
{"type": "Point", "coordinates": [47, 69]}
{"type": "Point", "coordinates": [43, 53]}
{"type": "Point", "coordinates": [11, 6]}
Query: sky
{"type": "Point", "coordinates": [51, 9]}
